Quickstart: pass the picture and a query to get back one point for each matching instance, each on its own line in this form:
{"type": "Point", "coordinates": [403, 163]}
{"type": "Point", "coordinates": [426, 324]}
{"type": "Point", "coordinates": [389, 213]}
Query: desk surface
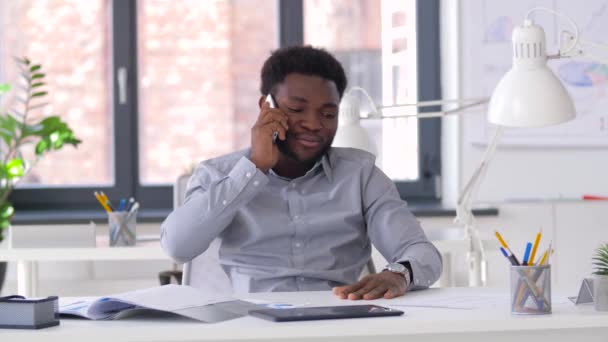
{"type": "Point", "coordinates": [150, 250]}
{"type": "Point", "coordinates": [489, 320]}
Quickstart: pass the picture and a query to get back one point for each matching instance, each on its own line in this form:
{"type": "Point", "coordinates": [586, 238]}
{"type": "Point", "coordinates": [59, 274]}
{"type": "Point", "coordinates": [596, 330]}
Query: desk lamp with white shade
{"type": "Point", "coordinates": [528, 95]}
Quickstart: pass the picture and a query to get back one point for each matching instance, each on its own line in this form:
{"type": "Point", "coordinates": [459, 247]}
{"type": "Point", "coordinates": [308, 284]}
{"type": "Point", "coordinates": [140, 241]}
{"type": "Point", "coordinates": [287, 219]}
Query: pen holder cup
{"type": "Point", "coordinates": [122, 228]}
{"type": "Point", "coordinates": [531, 290]}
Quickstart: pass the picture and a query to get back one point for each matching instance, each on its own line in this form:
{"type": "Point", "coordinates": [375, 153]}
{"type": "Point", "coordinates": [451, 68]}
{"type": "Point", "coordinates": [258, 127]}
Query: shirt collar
{"type": "Point", "coordinates": [326, 163]}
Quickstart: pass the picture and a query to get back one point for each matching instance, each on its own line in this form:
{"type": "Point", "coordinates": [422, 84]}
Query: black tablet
{"type": "Point", "coordinates": [324, 312]}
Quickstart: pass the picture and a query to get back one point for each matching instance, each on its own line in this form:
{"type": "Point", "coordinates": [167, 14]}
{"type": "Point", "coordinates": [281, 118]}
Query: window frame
{"type": "Point", "coordinates": [123, 22]}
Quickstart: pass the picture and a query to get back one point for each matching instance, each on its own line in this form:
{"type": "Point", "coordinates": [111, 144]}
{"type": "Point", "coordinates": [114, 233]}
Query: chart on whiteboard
{"type": "Point", "coordinates": [487, 27]}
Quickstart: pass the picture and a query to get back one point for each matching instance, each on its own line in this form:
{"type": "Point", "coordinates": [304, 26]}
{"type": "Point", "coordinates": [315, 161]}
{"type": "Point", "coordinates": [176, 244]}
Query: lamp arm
{"type": "Point", "coordinates": [464, 215]}
{"type": "Point", "coordinates": [376, 112]}
{"type": "Point", "coordinates": [465, 198]}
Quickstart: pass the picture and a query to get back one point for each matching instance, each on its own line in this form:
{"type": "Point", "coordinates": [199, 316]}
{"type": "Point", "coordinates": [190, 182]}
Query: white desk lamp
{"type": "Point", "coordinates": [528, 95]}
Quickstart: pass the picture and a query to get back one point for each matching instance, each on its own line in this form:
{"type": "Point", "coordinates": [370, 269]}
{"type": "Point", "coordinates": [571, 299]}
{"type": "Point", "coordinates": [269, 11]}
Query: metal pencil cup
{"type": "Point", "coordinates": [531, 290]}
{"type": "Point", "coordinates": [122, 228]}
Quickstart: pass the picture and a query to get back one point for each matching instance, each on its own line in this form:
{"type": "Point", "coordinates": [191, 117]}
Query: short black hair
{"type": "Point", "coordinates": [306, 60]}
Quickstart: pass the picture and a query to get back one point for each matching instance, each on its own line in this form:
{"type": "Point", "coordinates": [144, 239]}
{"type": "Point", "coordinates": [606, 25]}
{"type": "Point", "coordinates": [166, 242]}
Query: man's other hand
{"type": "Point", "coordinates": [380, 285]}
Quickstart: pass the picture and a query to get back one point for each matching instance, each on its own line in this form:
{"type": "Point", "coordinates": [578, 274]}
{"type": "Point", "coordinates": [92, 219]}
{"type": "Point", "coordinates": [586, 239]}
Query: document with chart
{"type": "Point", "coordinates": [181, 300]}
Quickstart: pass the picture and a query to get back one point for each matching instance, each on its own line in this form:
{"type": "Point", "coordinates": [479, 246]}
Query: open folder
{"type": "Point", "coordinates": [175, 299]}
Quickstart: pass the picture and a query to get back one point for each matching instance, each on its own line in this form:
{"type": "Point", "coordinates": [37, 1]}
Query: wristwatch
{"type": "Point", "coordinates": [399, 268]}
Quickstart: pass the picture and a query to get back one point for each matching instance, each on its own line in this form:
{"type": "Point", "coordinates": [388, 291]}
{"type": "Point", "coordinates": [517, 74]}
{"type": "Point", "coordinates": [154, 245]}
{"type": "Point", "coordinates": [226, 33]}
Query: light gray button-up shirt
{"type": "Point", "coordinates": [310, 233]}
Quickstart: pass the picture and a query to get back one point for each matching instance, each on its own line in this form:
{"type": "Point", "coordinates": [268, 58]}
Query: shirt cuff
{"type": "Point", "coordinates": [417, 277]}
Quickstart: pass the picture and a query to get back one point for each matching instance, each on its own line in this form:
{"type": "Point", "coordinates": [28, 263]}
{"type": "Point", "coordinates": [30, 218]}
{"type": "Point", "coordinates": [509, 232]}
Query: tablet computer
{"type": "Point", "coordinates": [324, 312]}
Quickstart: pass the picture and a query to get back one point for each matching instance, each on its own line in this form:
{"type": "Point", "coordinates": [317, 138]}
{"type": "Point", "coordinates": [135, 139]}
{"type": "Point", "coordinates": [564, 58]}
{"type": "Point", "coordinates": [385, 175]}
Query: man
{"type": "Point", "coordinates": [297, 214]}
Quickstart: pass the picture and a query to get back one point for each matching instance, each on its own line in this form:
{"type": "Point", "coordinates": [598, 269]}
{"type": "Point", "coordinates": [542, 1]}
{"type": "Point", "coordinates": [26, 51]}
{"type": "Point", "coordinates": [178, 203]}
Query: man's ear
{"type": "Point", "coordinates": [261, 101]}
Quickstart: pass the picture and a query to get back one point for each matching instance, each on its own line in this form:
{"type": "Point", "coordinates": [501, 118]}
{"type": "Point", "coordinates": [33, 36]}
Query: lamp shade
{"type": "Point", "coordinates": [530, 95]}
{"type": "Point", "coordinates": [350, 133]}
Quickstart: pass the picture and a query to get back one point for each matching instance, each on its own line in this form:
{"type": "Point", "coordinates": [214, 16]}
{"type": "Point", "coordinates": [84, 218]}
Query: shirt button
{"type": "Point", "coordinates": [248, 175]}
{"type": "Point", "coordinates": [295, 218]}
{"type": "Point", "coordinates": [301, 278]}
{"type": "Point", "coordinates": [298, 244]}
{"type": "Point", "coordinates": [293, 185]}
{"type": "Point", "coordinates": [224, 202]}
{"type": "Point", "coordinates": [256, 183]}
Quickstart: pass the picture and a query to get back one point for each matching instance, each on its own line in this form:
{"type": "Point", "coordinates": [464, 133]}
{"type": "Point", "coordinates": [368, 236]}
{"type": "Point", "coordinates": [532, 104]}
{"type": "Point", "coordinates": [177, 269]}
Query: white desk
{"type": "Point", "coordinates": [27, 259]}
{"type": "Point", "coordinates": [491, 322]}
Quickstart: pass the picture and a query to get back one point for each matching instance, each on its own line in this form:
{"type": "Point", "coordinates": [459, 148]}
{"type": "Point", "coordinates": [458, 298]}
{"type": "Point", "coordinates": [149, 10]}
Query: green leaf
{"type": "Point", "coordinates": [35, 67]}
{"type": "Point", "coordinates": [36, 76]}
{"type": "Point", "coordinates": [39, 94]}
{"type": "Point", "coordinates": [42, 146]}
{"type": "Point", "coordinates": [39, 105]}
{"type": "Point", "coordinates": [4, 88]}
{"type": "Point", "coordinates": [23, 60]}
{"type": "Point", "coordinates": [29, 130]}
{"type": "Point", "coordinates": [8, 128]}
{"type": "Point", "coordinates": [54, 135]}
{"type": "Point", "coordinates": [39, 84]}
{"type": "Point", "coordinates": [6, 211]}
{"type": "Point", "coordinates": [15, 168]}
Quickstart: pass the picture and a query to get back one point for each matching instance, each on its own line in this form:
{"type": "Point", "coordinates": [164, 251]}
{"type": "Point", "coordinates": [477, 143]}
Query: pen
{"type": "Point", "coordinates": [121, 204]}
{"type": "Point", "coordinates": [504, 244]}
{"type": "Point", "coordinates": [535, 247]}
{"type": "Point", "coordinates": [511, 257]}
{"type": "Point", "coordinates": [527, 254]}
{"type": "Point", "coordinates": [130, 204]}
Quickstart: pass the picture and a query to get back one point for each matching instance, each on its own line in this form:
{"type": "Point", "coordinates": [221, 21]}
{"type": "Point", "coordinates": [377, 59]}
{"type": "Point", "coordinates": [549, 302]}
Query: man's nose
{"type": "Point", "coordinates": [312, 121]}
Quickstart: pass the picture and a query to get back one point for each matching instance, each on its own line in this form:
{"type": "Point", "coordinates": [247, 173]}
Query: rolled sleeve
{"type": "Point", "coordinates": [396, 233]}
{"type": "Point", "coordinates": [212, 200]}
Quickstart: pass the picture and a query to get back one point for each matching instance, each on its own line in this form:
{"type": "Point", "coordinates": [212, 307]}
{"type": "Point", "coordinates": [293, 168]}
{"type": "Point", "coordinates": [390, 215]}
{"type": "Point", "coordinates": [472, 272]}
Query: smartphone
{"type": "Point", "coordinates": [324, 312]}
{"type": "Point", "coordinates": [272, 104]}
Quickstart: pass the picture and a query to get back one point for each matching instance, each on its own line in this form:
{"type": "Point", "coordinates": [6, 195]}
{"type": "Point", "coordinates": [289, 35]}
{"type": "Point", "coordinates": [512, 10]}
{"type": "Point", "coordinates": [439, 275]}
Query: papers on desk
{"type": "Point", "coordinates": [181, 300]}
{"type": "Point", "coordinates": [472, 302]}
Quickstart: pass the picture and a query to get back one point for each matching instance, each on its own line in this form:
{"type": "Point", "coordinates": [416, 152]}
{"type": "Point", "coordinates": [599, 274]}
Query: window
{"type": "Point", "coordinates": [198, 64]}
{"type": "Point", "coordinates": [389, 48]}
{"type": "Point", "coordinates": [152, 87]}
{"type": "Point", "coordinates": [71, 39]}
{"type": "Point", "coordinates": [376, 43]}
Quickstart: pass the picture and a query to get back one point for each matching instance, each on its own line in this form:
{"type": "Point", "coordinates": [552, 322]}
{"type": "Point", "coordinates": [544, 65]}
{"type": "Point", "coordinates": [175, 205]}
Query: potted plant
{"type": "Point", "coordinates": [20, 129]}
{"type": "Point", "coordinates": [600, 279]}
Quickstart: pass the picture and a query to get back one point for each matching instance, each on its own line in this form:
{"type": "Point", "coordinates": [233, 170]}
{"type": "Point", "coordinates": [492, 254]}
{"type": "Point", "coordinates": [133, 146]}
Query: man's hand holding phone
{"type": "Point", "coordinates": [271, 124]}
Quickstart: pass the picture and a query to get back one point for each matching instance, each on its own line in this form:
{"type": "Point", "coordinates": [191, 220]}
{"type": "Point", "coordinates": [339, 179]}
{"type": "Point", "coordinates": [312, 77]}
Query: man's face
{"type": "Point", "coordinates": [311, 104]}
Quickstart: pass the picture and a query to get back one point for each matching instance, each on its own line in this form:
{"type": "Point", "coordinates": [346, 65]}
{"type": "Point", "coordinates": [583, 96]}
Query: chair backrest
{"type": "Point", "coordinates": [204, 271]}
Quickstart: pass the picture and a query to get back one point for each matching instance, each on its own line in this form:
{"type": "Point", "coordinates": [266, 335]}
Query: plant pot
{"type": "Point", "coordinates": [2, 274]}
{"type": "Point", "coordinates": [600, 292]}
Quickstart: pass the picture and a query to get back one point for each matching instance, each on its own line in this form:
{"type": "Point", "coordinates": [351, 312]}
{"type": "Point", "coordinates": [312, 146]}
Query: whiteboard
{"type": "Point", "coordinates": [486, 57]}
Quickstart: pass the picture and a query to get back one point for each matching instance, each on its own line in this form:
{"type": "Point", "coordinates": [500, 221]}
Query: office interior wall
{"type": "Point", "coordinates": [528, 171]}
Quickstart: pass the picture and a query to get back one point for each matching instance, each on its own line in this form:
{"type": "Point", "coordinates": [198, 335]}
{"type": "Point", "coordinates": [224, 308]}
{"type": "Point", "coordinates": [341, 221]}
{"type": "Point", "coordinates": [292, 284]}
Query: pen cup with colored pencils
{"type": "Point", "coordinates": [531, 290]}
{"type": "Point", "coordinates": [122, 228]}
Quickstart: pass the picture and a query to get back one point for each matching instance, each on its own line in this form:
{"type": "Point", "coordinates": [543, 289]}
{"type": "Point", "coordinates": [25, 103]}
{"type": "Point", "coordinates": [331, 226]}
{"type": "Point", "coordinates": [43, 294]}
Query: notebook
{"type": "Point", "coordinates": [172, 299]}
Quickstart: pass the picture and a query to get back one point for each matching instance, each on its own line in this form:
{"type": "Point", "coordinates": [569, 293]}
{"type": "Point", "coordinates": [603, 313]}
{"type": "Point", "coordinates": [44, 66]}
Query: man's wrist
{"type": "Point", "coordinates": [402, 270]}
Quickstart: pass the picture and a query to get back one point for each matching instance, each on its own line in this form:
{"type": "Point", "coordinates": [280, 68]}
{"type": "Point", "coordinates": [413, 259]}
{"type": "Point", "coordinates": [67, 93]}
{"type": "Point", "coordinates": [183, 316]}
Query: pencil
{"type": "Point", "coordinates": [106, 200]}
{"type": "Point", "coordinates": [102, 202]}
{"type": "Point", "coordinates": [504, 244]}
{"type": "Point", "coordinates": [535, 247]}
